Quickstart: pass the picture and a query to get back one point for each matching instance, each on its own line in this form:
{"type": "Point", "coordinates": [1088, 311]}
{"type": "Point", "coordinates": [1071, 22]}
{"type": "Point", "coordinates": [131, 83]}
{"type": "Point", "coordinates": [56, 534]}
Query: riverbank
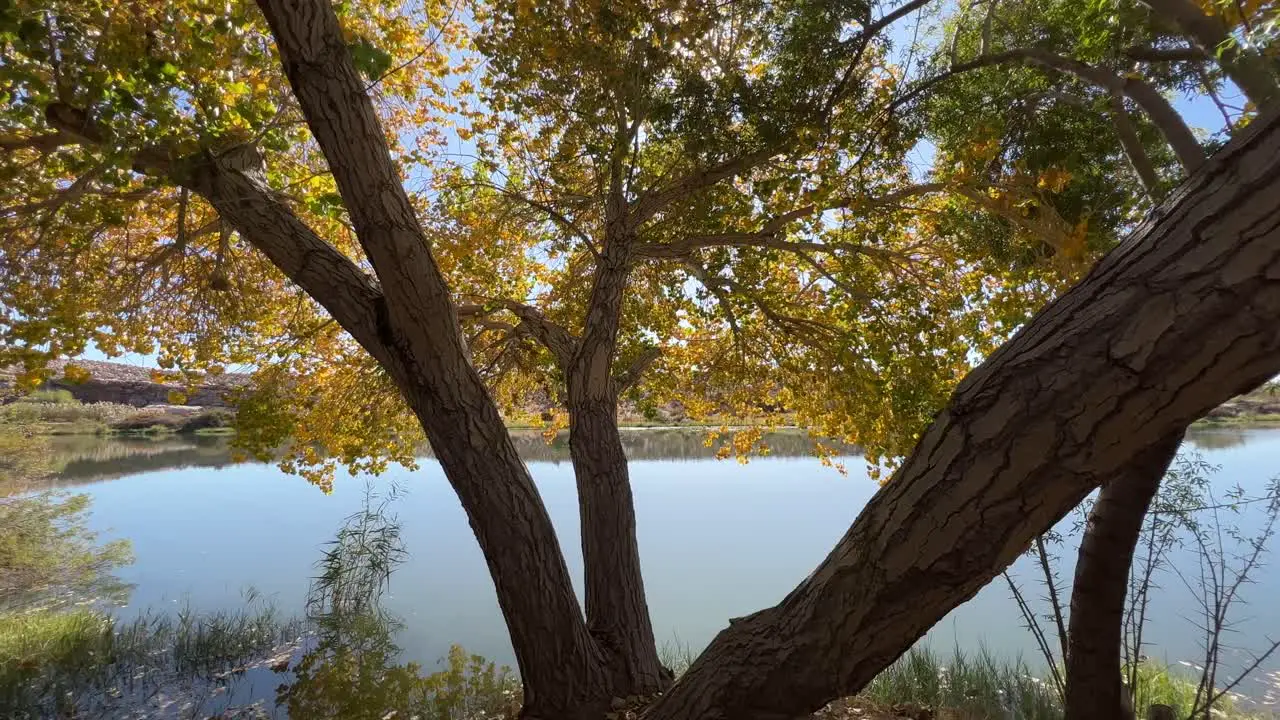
{"type": "Point", "coordinates": [197, 665]}
{"type": "Point", "coordinates": [50, 414]}
{"type": "Point", "coordinates": [56, 412]}
{"type": "Point", "coordinates": [271, 533]}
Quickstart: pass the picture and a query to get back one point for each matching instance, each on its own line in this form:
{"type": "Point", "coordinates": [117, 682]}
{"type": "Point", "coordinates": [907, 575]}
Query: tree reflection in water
{"type": "Point", "coordinates": [352, 670]}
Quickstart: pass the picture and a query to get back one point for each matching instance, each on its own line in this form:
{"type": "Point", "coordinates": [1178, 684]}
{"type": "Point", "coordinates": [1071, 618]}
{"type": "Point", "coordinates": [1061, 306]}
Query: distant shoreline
{"type": "Point", "coordinates": [89, 428]}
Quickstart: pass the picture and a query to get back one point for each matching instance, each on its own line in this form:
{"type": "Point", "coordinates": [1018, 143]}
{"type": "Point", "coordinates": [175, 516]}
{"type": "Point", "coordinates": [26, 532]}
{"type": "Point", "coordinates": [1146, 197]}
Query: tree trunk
{"type": "Point", "coordinates": [560, 665]}
{"type": "Point", "coordinates": [1176, 320]}
{"type": "Point", "coordinates": [617, 609]}
{"type": "Point", "coordinates": [1094, 689]}
{"type": "Point", "coordinates": [416, 336]}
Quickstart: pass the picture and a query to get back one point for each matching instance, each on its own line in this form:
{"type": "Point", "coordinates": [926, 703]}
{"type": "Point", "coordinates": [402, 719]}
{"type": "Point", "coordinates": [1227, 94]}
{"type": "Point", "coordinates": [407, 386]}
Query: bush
{"type": "Point", "coordinates": [148, 420]}
{"type": "Point", "coordinates": [42, 654]}
{"type": "Point", "coordinates": [209, 420]}
{"type": "Point", "coordinates": [50, 397]}
{"type": "Point", "coordinates": [26, 412]}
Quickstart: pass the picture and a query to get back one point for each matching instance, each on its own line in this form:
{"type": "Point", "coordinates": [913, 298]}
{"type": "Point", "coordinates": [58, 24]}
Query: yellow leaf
{"type": "Point", "coordinates": [75, 374]}
{"type": "Point", "coordinates": [1054, 180]}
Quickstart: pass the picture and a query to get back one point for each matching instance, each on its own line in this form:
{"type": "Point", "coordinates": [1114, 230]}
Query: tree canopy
{"type": "Point", "coordinates": [790, 251]}
{"type": "Point", "coordinates": [407, 218]}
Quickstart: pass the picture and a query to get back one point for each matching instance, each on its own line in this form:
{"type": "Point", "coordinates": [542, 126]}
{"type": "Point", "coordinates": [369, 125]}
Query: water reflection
{"type": "Point", "coordinates": [353, 670]}
{"type": "Point", "coordinates": [1218, 438]}
{"type": "Point", "coordinates": [718, 541]}
{"type": "Point", "coordinates": [84, 459]}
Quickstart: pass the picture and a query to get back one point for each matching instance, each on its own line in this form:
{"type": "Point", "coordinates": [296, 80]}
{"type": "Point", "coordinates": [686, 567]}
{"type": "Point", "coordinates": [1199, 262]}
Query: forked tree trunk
{"type": "Point", "coordinates": [1094, 690]}
{"type": "Point", "coordinates": [410, 324]}
{"type": "Point", "coordinates": [1179, 318]}
{"type": "Point", "coordinates": [617, 609]}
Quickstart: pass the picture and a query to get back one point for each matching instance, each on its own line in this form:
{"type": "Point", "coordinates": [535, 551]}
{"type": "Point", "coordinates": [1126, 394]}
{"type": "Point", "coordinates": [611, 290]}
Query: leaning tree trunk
{"type": "Point", "coordinates": [1176, 320]}
{"type": "Point", "coordinates": [1094, 690]}
{"type": "Point", "coordinates": [617, 610]}
{"type": "Point", "coordinates": [409, 323]}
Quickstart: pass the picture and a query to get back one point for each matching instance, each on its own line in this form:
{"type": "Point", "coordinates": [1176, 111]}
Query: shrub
{"type": "Point", "coordinates": [26, 412]}
{"type": "Point", "coordinates": [50, 397]}
{"type": "Point", "coordinates": [146, 421]}
{"type": "Point", "coordinates": [978, 687]}
{"type": "Point", "coordinates": [208, 420]}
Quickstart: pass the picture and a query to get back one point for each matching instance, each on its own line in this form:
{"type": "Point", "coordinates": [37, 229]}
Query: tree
{"type": "Point", "coordinates": [1097, 49]}
{"type": "Point", "coordinates": [1082, 392]}
{"type": "Point", "coordinates": [665, 146]}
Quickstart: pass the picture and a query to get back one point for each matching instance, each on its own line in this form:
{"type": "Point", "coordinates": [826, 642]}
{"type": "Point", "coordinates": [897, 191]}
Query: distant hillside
{"type": "Point", "coordinates": [129, 385]}
{"type": "Point", "coordinates": [133, 385]}
{"type": "Point", "coordinates": [1261, 403]}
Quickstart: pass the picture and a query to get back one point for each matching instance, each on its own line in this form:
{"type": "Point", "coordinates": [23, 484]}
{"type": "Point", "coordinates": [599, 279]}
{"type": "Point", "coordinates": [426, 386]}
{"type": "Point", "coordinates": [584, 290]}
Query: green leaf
{"type": "Point", "coordinates": [373, 62]}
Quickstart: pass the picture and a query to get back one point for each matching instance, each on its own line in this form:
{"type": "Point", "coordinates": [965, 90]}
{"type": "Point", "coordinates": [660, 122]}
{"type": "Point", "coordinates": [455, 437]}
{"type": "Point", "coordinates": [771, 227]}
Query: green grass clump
{"type": "Point", "coordinates": [46, 655]}
{"type": "Point", "coordinates": [973, 687]}
{"type": "Point", "coordinates": [81, 662]}
{"type": "Point", "coordinates": [53, 397]}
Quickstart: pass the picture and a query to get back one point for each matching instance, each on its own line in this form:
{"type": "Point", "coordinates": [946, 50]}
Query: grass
{"type": "Point", "coordinates": [1161, 685]}
{"type": "Point", "coordinates": [978, 686]}
{"type": "Point", "coordinates": [85, 662]}
{"type": "Point", "coordinates": [981, 687]}
{"type": "Point", "coordinates": [54, 664]}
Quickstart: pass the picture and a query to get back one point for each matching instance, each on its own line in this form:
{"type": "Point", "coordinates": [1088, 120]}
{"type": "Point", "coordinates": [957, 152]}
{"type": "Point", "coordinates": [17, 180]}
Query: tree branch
{"type": "Point", "coordinates": [46, 142]}
{"type": "Point", "coordinates": [1249, 71]}
{"type": "Point", "coordinates": [77, 188]}
{"type": "Point", "coordinates": [557, 216]}
{"type": "Point", "coordinates": [629, 377]}
{"type": "Point", "coordinates": [770, 235]}
{"type": "Point", "coordinates": [815, 331]}
{"type": "Point", "coordinates": [1175, 130]}
{"type": "Point", "coordinates": [235, 187]}
{"type": "Point", "coordinates": [1133, 150]}
{"type": "Point", "coordinates": [985, 43]}
{"type": "Point", "coordinates": [554, 337]}
{"type": "Point", "coordinates": [653, 203]}
{"type": "Point", "coordinates": [1141, 53]}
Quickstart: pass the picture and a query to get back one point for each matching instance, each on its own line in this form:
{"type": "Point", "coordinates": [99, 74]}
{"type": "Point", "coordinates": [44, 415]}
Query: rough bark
{"type": "Point", "coordinates": [1249, 71]}
{"type": "Point", "coordinates": [617, 610]}
{"type": "Point", "coordinates": [558, 660]}
{"type": "Point", "coordinates": [1177, 319]}
{"type": "Point", "coordinates": [1094, 690]}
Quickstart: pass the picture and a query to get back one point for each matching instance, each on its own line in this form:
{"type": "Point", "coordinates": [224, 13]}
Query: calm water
{"type": "Point", "coordinates": [718, 539]}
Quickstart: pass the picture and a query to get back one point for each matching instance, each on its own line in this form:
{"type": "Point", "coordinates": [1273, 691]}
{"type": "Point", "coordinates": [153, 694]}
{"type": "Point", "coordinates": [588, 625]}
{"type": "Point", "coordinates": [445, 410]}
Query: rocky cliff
{"type": "Point", "coordinates": [129, 385]}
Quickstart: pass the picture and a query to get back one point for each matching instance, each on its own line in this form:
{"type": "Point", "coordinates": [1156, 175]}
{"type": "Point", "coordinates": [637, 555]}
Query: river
{"type": "Point", "coordinates": [718, 539]}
